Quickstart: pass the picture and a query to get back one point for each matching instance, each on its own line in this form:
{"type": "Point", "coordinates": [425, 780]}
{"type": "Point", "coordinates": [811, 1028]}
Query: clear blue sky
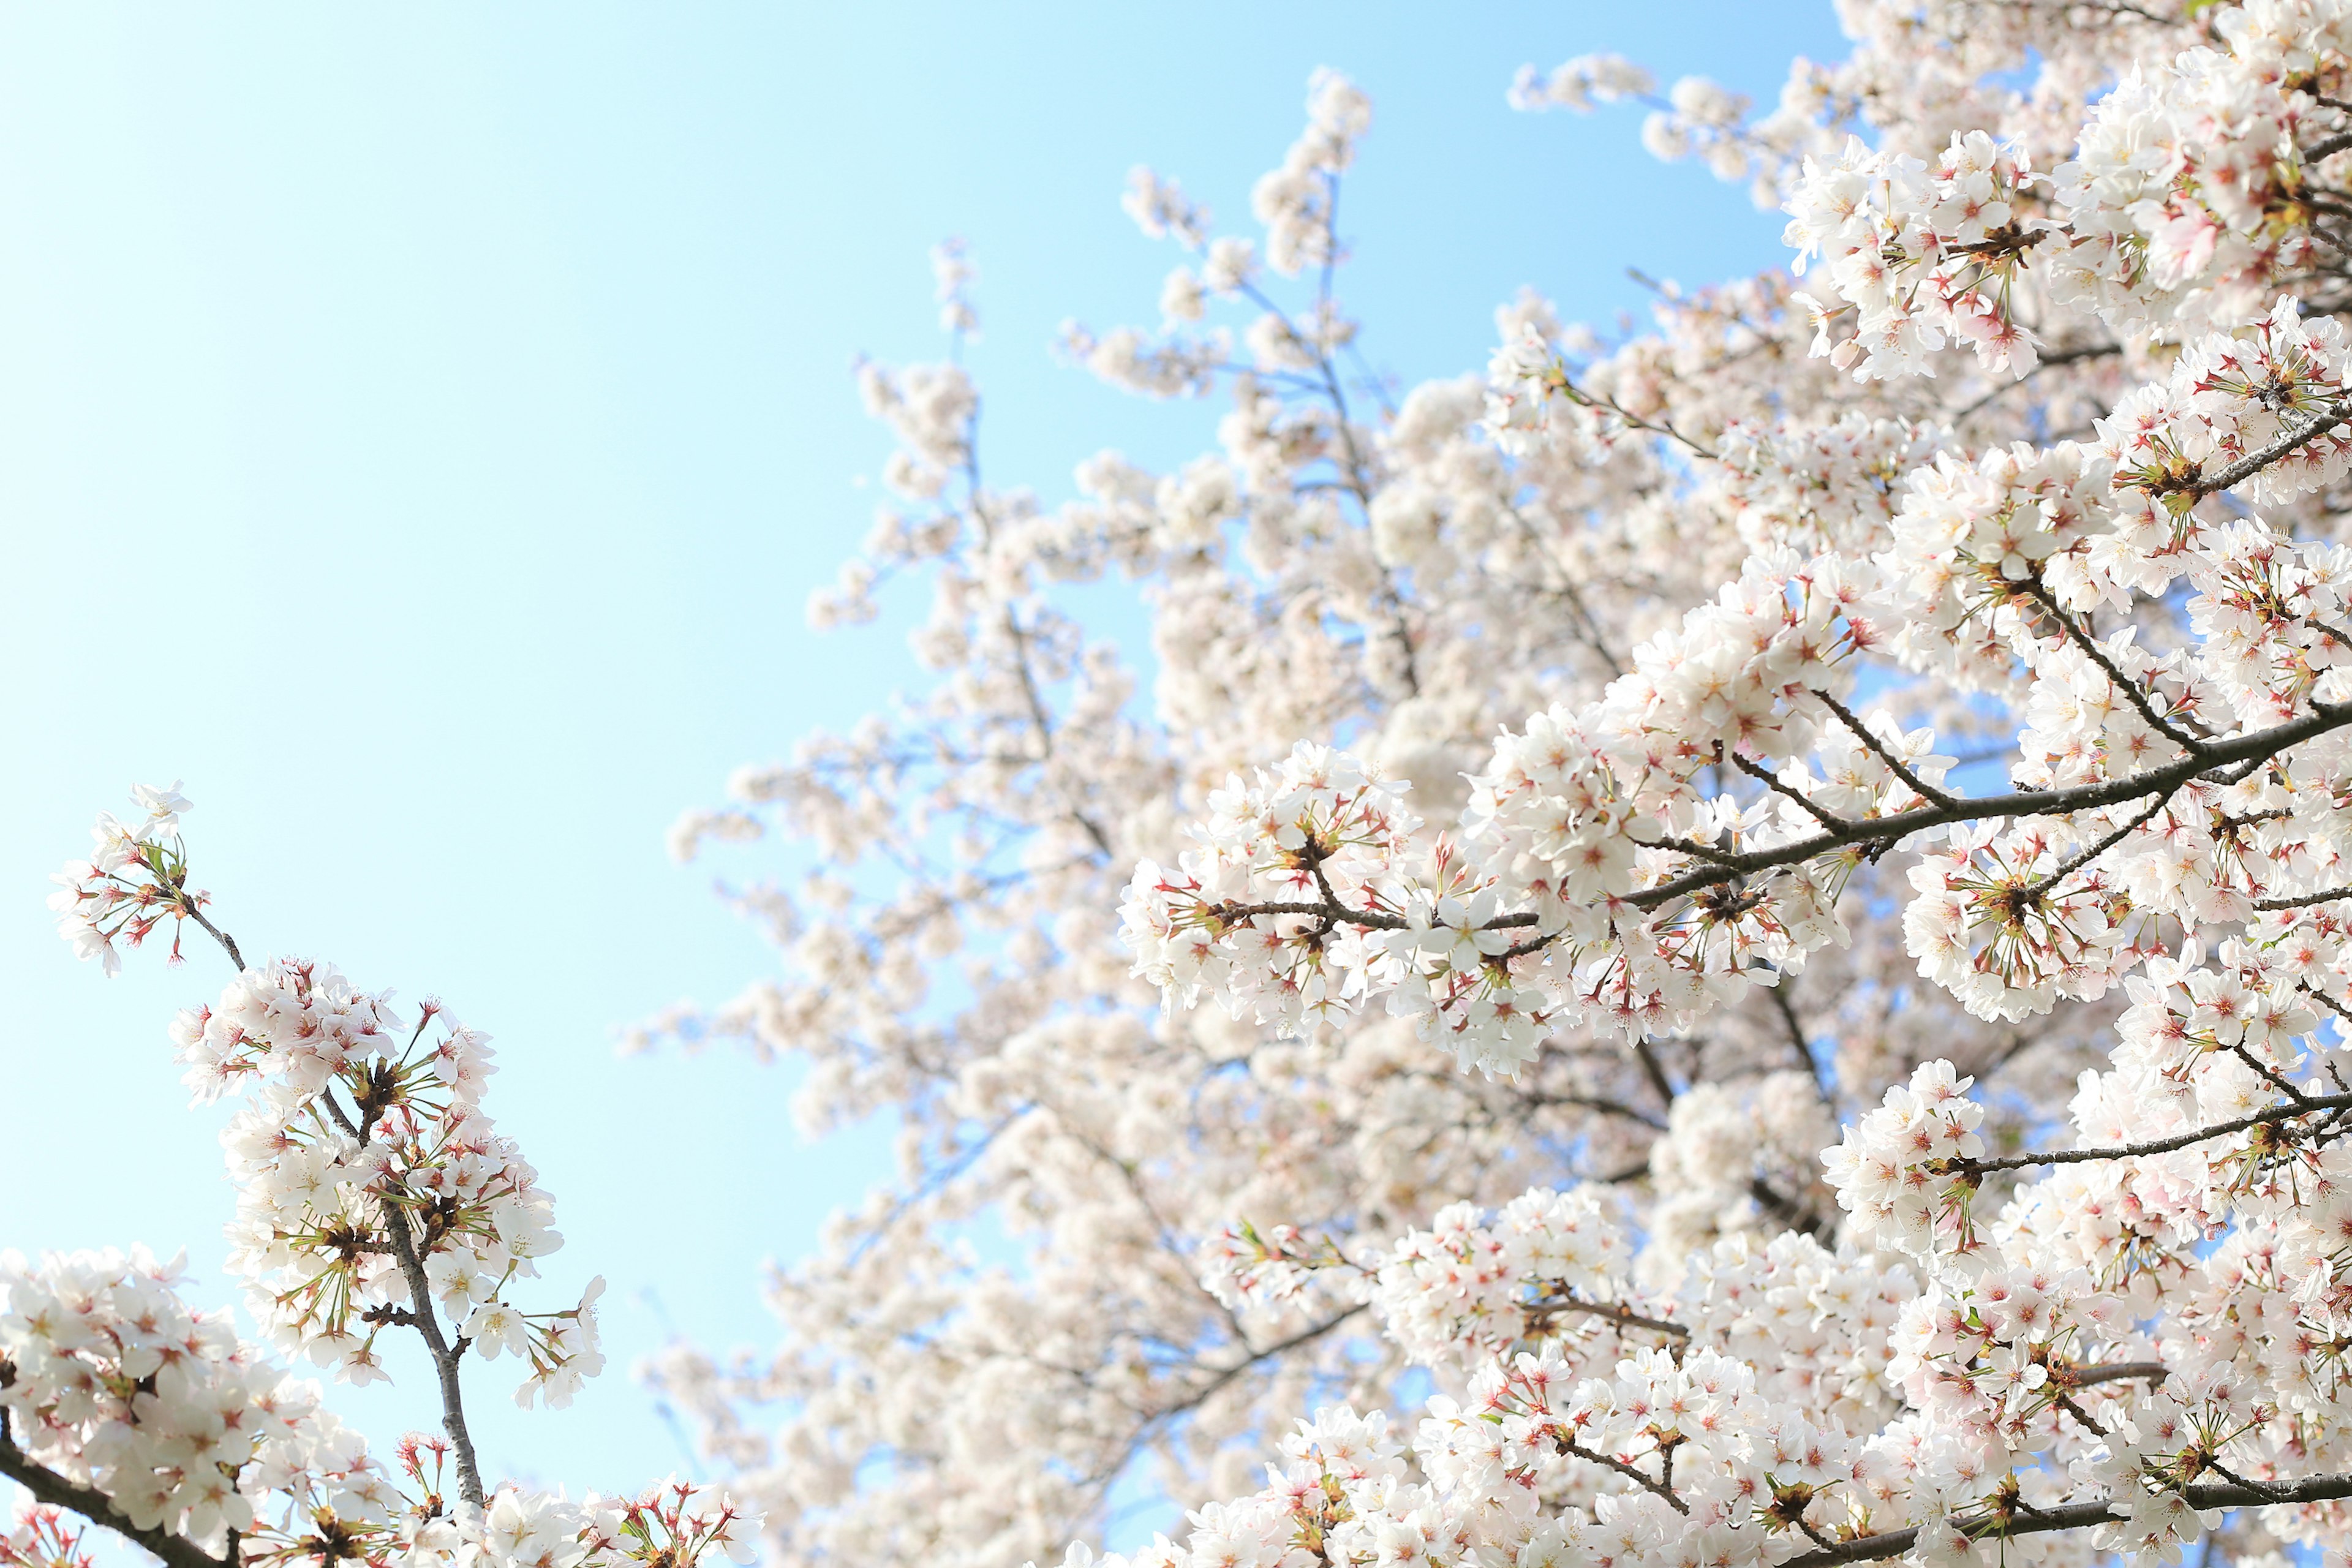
{"type": "Point", "coordinates": [420, 428]}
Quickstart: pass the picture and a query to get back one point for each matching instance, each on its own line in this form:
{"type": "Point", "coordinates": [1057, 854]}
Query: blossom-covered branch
{"type": "Point", "coordinates": [372, 1191]}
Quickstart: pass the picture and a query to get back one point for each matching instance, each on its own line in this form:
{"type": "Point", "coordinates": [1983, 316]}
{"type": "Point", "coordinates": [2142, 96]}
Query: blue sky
{"type": "Point", "coordinates": [420, 429]}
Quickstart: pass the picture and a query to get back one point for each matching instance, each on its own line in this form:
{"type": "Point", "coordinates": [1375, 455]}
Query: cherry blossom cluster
{"type": "Point", "coordinates": [154, 1420]}
{"type": "Point", "coordinates": [1696, 117]}
{"type": "Point", "coordinates": [2231, 397]}
{"type": "Point", "coordinates": [372, 1193]}
{"type": "Point", "coordinates": [1296, 905]}
{"type": "Point", "coordinates": [1921, 253]}
{"type": "Point", "coordinates": [363, 1161]}
{"type": "Point", "coordinates": [1292, 201]}
{"type": "Point", "coordinates": [1241, 1267]}
{"type": "Point", "coordinates": [135, 880]}
{"type": "Point", "coordinates": [1819, 487]}
{"type": "Point", "coordinates": [1896, 1172]}
{"type": "Point", "coordinates": [2194, 181]}
{"type": "Point", "coordinates": [1316, 829]}
{"type": "Point", "coordinates": [1464, 1284]}
{"type": "Point", "coordinates": [115, 1385]}
{"type": "Point", "coordinates": [1783, 1405]}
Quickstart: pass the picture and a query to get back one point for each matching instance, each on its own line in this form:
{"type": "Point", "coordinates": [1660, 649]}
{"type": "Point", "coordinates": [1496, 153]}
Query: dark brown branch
{"type": "Point", "coordinates": [2130, 688]}
{"type": "Point", "coordinates": [2310, 1104]}
{"type": "Point", "coordinates": [184, 903]}
{"type": "Point", "coordinates": [2305, 902]}
{"type": "Point", "coordinates": [1624, 1317]}
{"type": "Point", "coordinates": [2076, 1516]}
{"type": "Point", "coordinates": [2269, 1074]}
{"type": "Point", "coordinates": [1901, 769]}
{"type": "Point", "coordinates": [2325, 147]}
{"type": "Point", "coordinates": [2325, 1000]}
{"type": "Point", "coordinates": [46, 1485]}
{"type": "Point", "coordinates": [228, 943]}
{"type": "Point", "coordinates": [1375, 920]}
{"type": "Point", "coordinates": [2255, 462]}
{"type": "Point", "coordinates": [1649, 1484]}
{"type": "Point", "coordinates": [2083, 857]}
{"type": "Point", "coordinates": [1691, 846]}
{"type": "Point", "coordinates": [1771, 781]}
{"type": "Point", "coordinates": [2218, 1468]}
{"type": "Point", "coordinates": [1725, 865]}
{"type": "Point", "coordinates": [2261, 744]}
{"type": "Point", "coordinates": [2083, 1418]}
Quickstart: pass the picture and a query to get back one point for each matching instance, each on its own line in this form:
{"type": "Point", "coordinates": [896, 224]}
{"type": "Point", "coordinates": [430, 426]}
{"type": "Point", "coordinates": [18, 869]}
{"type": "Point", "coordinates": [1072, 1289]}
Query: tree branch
{"type": "Point", "coordinates": [1771, 781]}
{"type": "Point", "coordinates": [2130, 688]}
{"type": "Point", "coordinates": [1654, 1486]}
{"type": "Point", "coordinates": [2260, 744]}
{"type": "Point", "coordinates": [1901, 769]}
{"type": "Point", "coordinates": [2074, 1515]}
{"type": "Point", "coordinates": [1624, 1317]}
{"type": "Point", "coordinates": [2255, 462]}
{"type": "Point", "coordinates": [1731, 865]}
{"type": "Point", "coordinates": [2325, 147]}
{"type": "Point", "coordinates": [2308, 1105]}
{"type": "Point", "coordinates": [2083, 857]}
{"type": "Point", "coordinates": [2327, 896]}
{"type": "Point", "coordinates": [428, 1324]}
{"type": "Point", "coordinates": [47, 1485]}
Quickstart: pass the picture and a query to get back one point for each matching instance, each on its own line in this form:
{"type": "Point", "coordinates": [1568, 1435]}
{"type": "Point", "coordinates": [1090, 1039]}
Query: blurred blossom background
{"type": "Point", "coordinates": [423, 429]}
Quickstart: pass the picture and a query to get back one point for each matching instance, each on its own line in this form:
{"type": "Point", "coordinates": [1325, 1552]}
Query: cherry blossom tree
{"type": "Point", "coordinates": [1715, 945]}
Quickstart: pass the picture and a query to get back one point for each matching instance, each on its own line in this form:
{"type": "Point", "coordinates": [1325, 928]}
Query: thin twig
{"type": "Point", "coordinates": [2082, 858]}
{"type": "Point", "coordinates": [2325, 1000]}
{"type": "Point", "coordinates": [426, 1323]}
{"type": "Point", "coordinates": [2130, 688]}
{"type": "Point", "coordinates": [1901, 769]}
{"type": "Point", "coordinates": [1649, 1484]}
{"type": "Point", "coordinates": [2088, 1422]}
{"type": "Point", "coordinates": [1772, 782]}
